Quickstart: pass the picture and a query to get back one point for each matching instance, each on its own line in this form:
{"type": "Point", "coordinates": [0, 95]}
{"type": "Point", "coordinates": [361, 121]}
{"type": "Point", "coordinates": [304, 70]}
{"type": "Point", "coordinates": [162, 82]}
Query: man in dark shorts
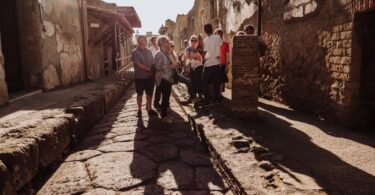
{"type": "Point", "coordinates": [249, 29]}
{"type": "Point", "coordinates": [143, 74]}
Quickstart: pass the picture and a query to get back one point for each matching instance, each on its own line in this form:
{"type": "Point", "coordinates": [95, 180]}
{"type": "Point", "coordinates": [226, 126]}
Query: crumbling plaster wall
{"type": "Point", "coordinates": [62, 43]}
{"type": "Point", "coordinates": [3, 85]}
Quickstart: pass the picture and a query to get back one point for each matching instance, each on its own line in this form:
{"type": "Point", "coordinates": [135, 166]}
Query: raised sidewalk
{"type": "Point", "coordinates": [36, 131]}
{"type": "Point", "coordinates": [284, 151]}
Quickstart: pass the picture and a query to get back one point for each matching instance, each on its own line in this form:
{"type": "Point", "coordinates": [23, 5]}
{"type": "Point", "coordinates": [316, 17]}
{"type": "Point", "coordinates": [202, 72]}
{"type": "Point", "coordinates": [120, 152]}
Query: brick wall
{"type": "Point", "coordinates": [245, 70]}
{"type": "Point", "coordinates": [309, 66]}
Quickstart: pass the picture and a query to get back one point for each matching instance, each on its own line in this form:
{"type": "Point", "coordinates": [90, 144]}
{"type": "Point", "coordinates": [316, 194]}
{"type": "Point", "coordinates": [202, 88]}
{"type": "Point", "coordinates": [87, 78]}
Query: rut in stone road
{"type": "Point", "coordinates": [123, 154]}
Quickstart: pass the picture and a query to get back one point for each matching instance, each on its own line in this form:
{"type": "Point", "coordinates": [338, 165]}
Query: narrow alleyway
{"type": "Point", "coordinates": [126, 155]}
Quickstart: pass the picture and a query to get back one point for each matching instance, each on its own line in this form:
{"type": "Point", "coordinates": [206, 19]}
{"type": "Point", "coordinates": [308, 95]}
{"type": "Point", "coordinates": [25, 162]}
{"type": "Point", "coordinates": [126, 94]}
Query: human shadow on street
{"type": "Point", "coordinates": [299, 154]}
{"type": "Point", "coordinates": [181, 163]}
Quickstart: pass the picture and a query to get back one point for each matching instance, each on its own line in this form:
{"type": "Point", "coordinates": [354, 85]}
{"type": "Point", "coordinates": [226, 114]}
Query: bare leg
{"type": "Point", "coordinates": [149, 100]}
{"type": "Point", "coordinates": [139, 102]}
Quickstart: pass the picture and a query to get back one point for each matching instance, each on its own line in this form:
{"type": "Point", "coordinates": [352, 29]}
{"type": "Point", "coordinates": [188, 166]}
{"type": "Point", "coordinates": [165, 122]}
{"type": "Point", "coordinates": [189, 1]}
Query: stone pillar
{"type": "Point", "coordinates": [245, 70]}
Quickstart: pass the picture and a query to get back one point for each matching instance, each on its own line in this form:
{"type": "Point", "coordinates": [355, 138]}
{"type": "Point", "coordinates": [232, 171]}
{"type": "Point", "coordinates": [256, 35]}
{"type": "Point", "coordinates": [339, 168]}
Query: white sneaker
{"type": "Point", "coordinates": [166, 119]}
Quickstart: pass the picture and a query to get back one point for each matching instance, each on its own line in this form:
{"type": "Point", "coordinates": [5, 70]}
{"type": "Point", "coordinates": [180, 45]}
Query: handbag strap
{"type": "Point", "coordinates": [170, 61]}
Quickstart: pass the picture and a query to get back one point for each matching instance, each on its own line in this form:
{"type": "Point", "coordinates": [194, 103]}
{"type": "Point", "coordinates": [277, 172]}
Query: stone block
{"type": "Point", "coordinates": [345, 60]}
{"type": "Point", "coordinates": [337, 28]}
{"type": "Point", "coordinates": [346, 35]}
{"type": "Point", "coordinates": [50, 78]}
{"type": "Point", "coordinates": [336, 36]}
{"type": "Point", "coordinates": [310, 7]}
{"type": "Point", "coordinates": [339, 52]}
{"type": "Point", "coordinates": [76, 182]}
{"type": "Point", "coordinates": [52, 136]}
{"type": "Point", "coordinates": [5, 184]}
{"type": "Point", "coordinates": [347, 43]}
{"type": "Point", "coordinates": [90, 109]}
{"type": "Point", "coordinates": [21, 157]}
{"type": "Point", "coordinates": [348, 26]}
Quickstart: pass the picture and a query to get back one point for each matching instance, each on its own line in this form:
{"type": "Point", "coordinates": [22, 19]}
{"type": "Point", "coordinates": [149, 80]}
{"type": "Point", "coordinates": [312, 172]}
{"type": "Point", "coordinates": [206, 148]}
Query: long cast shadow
{"type": "Point", "coordinates": [184, 175]}
{"type": "Point", "coordinates": [300, 154]}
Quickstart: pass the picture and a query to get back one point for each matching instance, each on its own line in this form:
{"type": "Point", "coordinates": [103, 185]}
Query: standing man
{"type": "Point", "coordinates": [249, 29]}
{"type": "Point", "coordinates": [154, 49]}
{"type": "Point", "coordinates": [224, 59]}
{"type": "Point", "coordinates": [211, 73]}
{"type": "Point", "coordinates": [143, 74]}
{"type": "Point", "coordinates": [154, 46]}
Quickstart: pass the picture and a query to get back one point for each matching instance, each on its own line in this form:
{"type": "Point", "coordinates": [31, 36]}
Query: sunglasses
{"type": "Point", "coordinates": [172, 45]}
{"type": "Point", "coordinates": [194, 41]}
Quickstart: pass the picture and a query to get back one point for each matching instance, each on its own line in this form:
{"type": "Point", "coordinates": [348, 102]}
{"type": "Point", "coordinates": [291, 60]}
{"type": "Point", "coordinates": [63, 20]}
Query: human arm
{"type": "Point", "coordinates": [138, 64]}
{"type": "Point", "coordinates": [161, 64]}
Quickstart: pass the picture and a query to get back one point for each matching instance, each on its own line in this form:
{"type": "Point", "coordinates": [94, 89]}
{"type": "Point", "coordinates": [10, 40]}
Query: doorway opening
{"type": "Point", "coordinates": [365, 41]}
{"type": "Point", "coordinates": [10, 45]}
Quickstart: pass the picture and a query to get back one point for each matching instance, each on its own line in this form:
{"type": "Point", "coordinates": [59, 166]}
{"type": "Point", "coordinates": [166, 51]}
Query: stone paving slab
{"type": "Point", "coordinates": [284, 151]}
{"type": "Point", "coordinates": [149, 157]}
{"type": "Point", "coordinates": [35, 132]}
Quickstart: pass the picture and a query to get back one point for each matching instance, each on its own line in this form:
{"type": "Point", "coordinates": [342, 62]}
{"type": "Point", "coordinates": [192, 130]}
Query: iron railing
{"type": "Point", "coordinates": [126, 72]}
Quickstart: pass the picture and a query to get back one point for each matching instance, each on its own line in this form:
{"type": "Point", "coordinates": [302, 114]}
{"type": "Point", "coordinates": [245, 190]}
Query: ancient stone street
{"type": "Point", "coordinates": [126, 155]}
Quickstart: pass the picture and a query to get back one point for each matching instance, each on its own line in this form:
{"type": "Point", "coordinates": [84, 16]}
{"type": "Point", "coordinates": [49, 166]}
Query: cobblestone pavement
{"type": "Point", "coordinates": [126, 155]}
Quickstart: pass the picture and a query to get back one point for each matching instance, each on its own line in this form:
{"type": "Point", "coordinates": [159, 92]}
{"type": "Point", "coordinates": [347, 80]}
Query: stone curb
{"type": "Point", "coordinates": [22, 157]}
{"type": "Point", "coordinates": [225, 171]}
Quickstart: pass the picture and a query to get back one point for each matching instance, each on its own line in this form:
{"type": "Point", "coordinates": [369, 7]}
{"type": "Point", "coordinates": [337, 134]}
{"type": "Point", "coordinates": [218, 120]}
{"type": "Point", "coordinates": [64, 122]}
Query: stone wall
{"type": "Point", "coordinates": [308, 65]}
{"type": "Point", "coordinates": [62, 43]}
{"type": "Point", "coordinates": [51, 43]}
{"type": "Point", "coordinates": [3, 85]}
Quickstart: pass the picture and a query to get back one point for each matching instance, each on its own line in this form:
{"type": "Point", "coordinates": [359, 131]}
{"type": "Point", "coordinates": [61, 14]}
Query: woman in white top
{"type": "Point", "coordinates": [195, 59]}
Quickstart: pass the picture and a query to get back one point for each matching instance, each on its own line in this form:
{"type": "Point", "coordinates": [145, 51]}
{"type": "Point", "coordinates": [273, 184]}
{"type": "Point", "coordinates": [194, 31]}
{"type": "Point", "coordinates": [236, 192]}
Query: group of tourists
{"type": "Point", "coordinates": [202, 67]}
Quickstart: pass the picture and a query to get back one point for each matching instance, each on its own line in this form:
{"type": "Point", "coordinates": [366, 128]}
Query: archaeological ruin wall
{"type": "Point", "coordinates": [314, 60]}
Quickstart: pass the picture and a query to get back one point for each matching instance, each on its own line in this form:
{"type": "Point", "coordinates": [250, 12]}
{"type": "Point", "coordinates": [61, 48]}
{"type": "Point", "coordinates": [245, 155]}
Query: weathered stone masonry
{"type": "Point", "coordinates": [245, 76]}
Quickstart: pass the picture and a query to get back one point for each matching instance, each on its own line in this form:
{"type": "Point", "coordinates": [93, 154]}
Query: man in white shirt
{"type": "Point", "coordinates": [211, 73]}
{"type": "Point", "coordinates": [154, 47]}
